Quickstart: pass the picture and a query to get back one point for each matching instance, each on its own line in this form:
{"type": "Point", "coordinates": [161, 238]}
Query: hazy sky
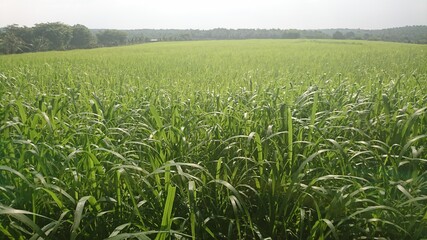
{"type": "Point", "coordinates": [198, 14]}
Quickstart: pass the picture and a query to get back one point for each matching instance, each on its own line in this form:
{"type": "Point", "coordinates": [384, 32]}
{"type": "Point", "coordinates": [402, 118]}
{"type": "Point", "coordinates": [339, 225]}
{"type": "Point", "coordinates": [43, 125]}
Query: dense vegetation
{"type": "Point", "coordinates": [59, 36]}
{"type": "Point", "coordinates": [287, 139]}
{"type": "Point", "coordinates": [409, 34]}
{"type": "Point", "coordinates": [56, 36]}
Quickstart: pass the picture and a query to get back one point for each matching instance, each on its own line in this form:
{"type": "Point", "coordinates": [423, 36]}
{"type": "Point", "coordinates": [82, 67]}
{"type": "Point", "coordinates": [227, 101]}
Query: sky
{"type": "Point", "coordinates": [199, 14]}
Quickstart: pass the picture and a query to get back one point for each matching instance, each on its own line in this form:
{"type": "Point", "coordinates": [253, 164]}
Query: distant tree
{"type": "Point", "coordinates": [57, 34]}
{"type": "Point", "coordinates": [10, 44]}
{"type": "Point", "coordinates": [184, 37]}
{"type": "Point", "coordinates": [313, 34]}
{"type": "Point", "coordinates": [367, 36]}
{"type": "Point", "coordinates": [350, 35]}
{"type": "Point", "coordinates": [41, 44]}
{"type": "Point", "coordinates": [338, 35]}
{"type": "Point", "coordinates": [82, 37]}
{"type": "Point", "coordinates": [291, 34]}
{"type": "Point", "coordinates": [15, 39]}
{"type": "Point", "coordinates": [111, 37]}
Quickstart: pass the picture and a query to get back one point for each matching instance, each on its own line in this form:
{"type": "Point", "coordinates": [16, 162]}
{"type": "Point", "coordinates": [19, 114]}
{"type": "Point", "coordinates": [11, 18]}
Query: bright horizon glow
{"type": "Point", "coordinates": [193, 14]}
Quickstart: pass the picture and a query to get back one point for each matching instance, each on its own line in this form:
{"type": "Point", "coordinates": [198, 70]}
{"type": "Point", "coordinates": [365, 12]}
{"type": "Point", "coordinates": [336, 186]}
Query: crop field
{"type": "Point", "coordinates": [250, 139]}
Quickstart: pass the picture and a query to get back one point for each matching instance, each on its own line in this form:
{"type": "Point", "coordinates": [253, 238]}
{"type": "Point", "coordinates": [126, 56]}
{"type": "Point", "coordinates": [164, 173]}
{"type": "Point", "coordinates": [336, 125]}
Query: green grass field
{"type": "Point", "coordinates": [252, 139]}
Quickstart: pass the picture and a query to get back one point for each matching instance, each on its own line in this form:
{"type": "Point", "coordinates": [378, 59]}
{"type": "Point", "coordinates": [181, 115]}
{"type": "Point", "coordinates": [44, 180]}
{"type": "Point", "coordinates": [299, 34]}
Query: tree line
{"type": "Point", "coordinates": [408, 34]}
{"type": "Point", "coordinates": [60, 36]}
{"type": "Point", "coordinates": [56, 36]}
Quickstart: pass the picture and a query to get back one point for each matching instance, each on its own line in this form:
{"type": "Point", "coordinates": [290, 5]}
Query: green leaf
{"type": "Point", "coordinates": [78, 214]}
{"type": "Point", "coordinates": [20, 216]}
{"type": "Point", "coordinates": [167, 214]}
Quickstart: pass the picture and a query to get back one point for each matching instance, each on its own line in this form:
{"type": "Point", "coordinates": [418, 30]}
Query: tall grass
{"type": "Point", "coordinates": [215, 140]}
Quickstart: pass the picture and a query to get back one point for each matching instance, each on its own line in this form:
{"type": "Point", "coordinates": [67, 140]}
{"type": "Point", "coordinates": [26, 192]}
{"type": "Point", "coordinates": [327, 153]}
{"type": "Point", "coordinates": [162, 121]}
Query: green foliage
{"type": "Point", "coordinates": [111, 37]}
{"type": "Point", "coordinates": [350, 35]}
{"type": "Point", "coordinates": [280, 139]}
{"type": "Point", "coordinates": [408, 34]}
{"type": "Point", "coordinates": [338, 35]}
{"type": "Point", "coordinates": [57, 35]}
{"type": "Point", "coordinates": [45, 37]}
{"type": "Point", "coordinates": [15, 39]}
{"type": "Point", "coordinates": [82, 37]}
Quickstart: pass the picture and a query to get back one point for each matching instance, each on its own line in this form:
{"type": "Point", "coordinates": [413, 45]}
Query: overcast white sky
{"type": "Point", "coordinates": [198, 14]}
